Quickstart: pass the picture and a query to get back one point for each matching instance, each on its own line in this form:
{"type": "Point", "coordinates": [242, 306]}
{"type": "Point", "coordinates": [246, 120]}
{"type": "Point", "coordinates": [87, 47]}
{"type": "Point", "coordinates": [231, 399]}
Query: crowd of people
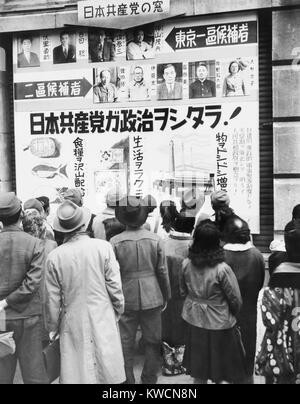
{"type": "Point", "coordinates": [188, 281]}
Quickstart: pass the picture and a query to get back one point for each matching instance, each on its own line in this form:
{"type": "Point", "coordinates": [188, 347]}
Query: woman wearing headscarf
{"type": "Point", "coordinates": [34, 224]}
{"type": "Point", "coordinates": [212, 301]}
{"type": "Point", "coordinates": [173, 327]}
{"type": "Point", "coordinates": [220, 202]}
{"type": "Point", "coordinates": [248, 266]}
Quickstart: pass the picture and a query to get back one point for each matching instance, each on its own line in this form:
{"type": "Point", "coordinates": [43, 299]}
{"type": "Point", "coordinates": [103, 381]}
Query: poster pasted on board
{"type": "Point", "coordinates": [157, 110]}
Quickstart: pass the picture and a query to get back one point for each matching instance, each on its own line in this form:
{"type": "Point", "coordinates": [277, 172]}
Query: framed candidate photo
{"type": "Point", "coordinates": [107, 85]}
{"type": "Point", "coordinates": [169, 81]}
{"type": "Point", "coordinates": [64, 48]}
{"type": "Point", "coordinates": [139, 83]}
{"type": "Point", "coordinates": [202, 79]}
{"type": "Point", "coordinates": [106, 45]}
{"type": "Point", "coordinates": [140, 43]}
{"type": "Point", "coordinates": [238, 77]}
{"type": "Point", "coordinates": [28, 51]}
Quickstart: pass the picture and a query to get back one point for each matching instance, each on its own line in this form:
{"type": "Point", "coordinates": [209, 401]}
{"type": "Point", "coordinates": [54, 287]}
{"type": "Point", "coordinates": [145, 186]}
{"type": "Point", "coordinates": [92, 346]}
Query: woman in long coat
{"type": "Point", "coordinates": [84, 301]}
{"type": "Point", "coordinates": [173, 326]}
{"type": "Point", "coordinates": [248, 266]}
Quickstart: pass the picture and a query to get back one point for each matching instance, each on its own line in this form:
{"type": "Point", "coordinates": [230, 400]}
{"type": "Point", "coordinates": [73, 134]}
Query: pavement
{"type": "Point", "coordinates": [181, 379]}
{"type": "Point", "coordinates": [138, 366]}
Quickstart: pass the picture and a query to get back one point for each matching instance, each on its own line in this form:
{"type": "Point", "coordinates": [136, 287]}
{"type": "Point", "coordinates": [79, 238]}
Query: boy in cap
{"type": "Point", "coordinates": [21, 261]}
{"type": "Point", "coordinates": [146, 287]}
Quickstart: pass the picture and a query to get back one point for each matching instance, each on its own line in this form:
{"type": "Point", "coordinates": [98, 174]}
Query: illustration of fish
{"type": "Point", "coordinates": [48, 172]}
{"type": "Point", "coordinates": [44, 147]}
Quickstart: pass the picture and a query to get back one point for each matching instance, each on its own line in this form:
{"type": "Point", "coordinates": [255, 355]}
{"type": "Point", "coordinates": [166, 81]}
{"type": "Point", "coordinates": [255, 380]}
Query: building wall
{"type": "Point", "coordinates": [286, 113]}
{"type": "Point", "coordinates": [22, 15]}
{"type": "Point", "coordinates": [47, 14]}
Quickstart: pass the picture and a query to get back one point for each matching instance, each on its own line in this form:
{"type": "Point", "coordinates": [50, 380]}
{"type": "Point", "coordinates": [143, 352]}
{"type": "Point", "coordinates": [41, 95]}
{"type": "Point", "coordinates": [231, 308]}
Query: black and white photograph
{"type": "Point", "coordinates": [102, 47]}
{"type": "Point", "coordinates": [28, 51]}
{"type": "Point", "coordinates": [235, 82]}
{"type": "Point", "coordinates": [106, 85]}
{"type": "Point", "coordinates": [65, 51]}
{"type": "Point", "coordinates": [139, 84]}
{"type": "Point", "coordinates": [169, 81]}
{"type": "Point", "coordinates": [140, 43]}
{"type": "Point", "coordinates": [149, 195]}
{"type": "Point", "coordinates": [202, 78]}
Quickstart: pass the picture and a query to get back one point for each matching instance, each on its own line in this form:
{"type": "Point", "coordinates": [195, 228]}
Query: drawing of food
{"type": "Point", "coordinates": [48, 172]}
{"type": "Point", "coordinates": [44, 147]}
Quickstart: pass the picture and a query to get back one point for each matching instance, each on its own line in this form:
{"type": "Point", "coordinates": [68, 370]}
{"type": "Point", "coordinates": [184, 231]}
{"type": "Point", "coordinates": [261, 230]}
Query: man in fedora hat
{"type": "Point", "coordinates": [74, 195]}
{"type": "Point", "coordinates": [21, 261]}
{"type": "Point", "coordinates": [83, 301]}
{"type": "Point", "coordinates": [146, 286]}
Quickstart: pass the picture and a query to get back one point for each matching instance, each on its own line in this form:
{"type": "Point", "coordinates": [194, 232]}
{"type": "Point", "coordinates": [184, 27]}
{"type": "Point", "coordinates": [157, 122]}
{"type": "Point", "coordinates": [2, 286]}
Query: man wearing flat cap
{"type": "Point", "coordinates": [146, 286]}
{"type": "Point", "coordinates": [21, 261]}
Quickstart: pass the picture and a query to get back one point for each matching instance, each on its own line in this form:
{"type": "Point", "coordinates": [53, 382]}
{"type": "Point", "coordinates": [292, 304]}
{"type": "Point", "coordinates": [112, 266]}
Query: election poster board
{"type": "Point", "coordinates": [155, 110]}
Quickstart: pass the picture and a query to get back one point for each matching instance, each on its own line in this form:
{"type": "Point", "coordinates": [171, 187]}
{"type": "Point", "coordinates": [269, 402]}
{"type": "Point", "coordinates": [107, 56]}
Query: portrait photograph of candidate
{"type": "Point", "coordinates": [101, 46]}
{"type": "Point", "coordinates": [66, 51]}
{"type": "Point", "coordinates": [169, 80]}
{"type": "Point", "coordinates": [140, 44]}
{"type": "Point", "coordinates": [235, 83]}
{"type": "Point", "coordinates": [139, 88]}
{"type": "Point", "coordinates": [106, 85]}
{"type": "Point", "coordinates": [202, 76]}
{"type": "Point", "coordinates": [26, 57]}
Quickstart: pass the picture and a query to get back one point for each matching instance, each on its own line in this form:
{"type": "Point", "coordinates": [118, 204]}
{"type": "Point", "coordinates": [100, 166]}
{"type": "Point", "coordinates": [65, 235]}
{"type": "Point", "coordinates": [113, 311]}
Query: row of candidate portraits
{"type": "Point", "coordinates": [101, 44]}
{"type": "Point", "coordinates": [111, 85]}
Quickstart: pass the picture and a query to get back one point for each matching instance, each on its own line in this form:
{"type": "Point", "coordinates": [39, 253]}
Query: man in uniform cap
{"type": "Point", "coordinates": [21, 261]}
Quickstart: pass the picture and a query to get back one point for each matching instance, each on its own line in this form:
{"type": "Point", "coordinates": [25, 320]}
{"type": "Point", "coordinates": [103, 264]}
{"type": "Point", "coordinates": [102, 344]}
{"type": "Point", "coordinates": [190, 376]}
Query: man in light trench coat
{"type": "Point", "coordinates": [84, 301]}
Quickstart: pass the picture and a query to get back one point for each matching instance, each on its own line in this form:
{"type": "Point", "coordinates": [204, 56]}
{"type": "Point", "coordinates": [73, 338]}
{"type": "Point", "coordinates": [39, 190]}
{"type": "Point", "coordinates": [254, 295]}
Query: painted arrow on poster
{"type": "Point", "coordinates": [207, 36]}
{"type": "Point", "coordinates": [52, 89]}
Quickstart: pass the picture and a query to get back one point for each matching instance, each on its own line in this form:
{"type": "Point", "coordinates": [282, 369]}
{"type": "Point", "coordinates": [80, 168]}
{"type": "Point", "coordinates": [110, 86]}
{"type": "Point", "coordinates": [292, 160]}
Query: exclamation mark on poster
{"type": "Point", "coordinates": [236, 112]}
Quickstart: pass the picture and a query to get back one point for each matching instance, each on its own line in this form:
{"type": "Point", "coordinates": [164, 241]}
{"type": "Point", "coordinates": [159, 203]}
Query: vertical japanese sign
{"type": "Point", "coordinates": [155, 110]}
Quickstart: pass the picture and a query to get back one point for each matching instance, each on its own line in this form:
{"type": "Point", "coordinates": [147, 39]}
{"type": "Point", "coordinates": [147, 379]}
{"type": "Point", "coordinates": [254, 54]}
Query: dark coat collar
{"type": "Point", "coordinates": [287, 275]}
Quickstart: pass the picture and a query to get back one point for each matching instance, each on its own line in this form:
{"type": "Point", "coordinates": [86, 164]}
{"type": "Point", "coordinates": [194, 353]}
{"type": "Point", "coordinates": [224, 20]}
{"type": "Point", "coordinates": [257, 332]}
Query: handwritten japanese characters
{"type": "Point", "coordinates": [79, 166]}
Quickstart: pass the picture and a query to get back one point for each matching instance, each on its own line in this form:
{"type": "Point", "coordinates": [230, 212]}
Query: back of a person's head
{"type": "Point", "coordinates": [11, 220]}
{"type": "Point", "coordinates": [205, 250]}
{"type": "Point", "coordinates": [34, 224]}
{"type": "Point", "coordinates": [184, 223]}
{"type": "Point", "coordinates": [292, 241]}
{"type": "Point", "coordinates": [150, 202]}
{"type": "Point", "coordinates": [45, 201]}
{"type": "Point", "coordinates": [169, 213]}
{"type": "Point", "coordinates": [236, 231]}
{"type": "Point", "coordinates": [296, 212]}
